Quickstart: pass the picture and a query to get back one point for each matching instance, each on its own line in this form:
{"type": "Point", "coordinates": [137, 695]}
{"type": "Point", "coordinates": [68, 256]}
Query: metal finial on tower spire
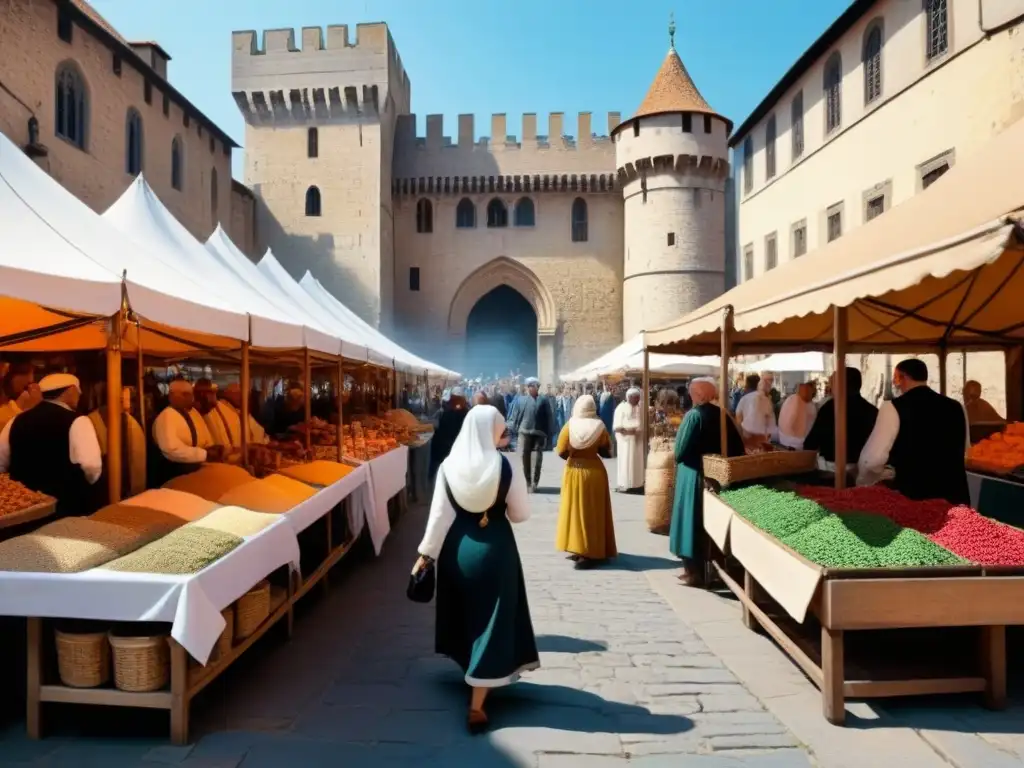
{"type": "Point", "coordinates": [671, 30]}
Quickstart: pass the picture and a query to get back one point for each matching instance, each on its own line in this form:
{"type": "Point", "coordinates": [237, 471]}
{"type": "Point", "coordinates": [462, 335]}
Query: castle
{"type": "Point", "coordinates": [560, 246]}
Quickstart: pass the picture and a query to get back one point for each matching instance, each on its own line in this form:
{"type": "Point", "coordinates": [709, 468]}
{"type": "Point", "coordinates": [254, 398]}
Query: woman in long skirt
{"type": "Point", "coordinates": [585, 526]}
{"type": "Point", "coordinates": [483, 618]}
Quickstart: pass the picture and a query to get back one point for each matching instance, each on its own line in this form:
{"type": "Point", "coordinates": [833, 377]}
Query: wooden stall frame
{"type": "Point", "coordinates": [871, 599]}
{"type": "Point", "coordinates": [185, 684]}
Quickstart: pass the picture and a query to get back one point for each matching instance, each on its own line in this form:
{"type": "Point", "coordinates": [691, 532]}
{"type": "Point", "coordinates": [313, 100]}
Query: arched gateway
{"type": "Point", "coordinates": [482, 285]}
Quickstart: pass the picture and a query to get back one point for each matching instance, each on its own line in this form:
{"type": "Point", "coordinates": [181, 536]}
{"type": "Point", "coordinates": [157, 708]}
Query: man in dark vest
{"type": "Point", "coordinates": [923, 436]}
{"type": "Point", "coordinates": [181, 442]}
{"type": "Point", "coordinates": [54, 450]}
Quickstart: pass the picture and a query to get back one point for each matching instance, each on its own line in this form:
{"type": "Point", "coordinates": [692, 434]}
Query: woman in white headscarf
{"type": "Point", "coordinates": [628, 424]}
{"type": "Point", "coordinates": [483, 618]}
{"type": "Point", "coordinates": [585, 526]}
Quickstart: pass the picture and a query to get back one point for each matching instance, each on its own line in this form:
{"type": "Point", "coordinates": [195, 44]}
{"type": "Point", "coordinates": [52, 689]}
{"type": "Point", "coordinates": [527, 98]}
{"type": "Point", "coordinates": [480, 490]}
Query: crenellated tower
{"type": "Point", "coordinates": [672, 164]}
{"type": "Point", "coordinates": [319, 148]}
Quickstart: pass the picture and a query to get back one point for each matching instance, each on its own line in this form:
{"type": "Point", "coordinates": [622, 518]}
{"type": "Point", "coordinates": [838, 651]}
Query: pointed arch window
{"type": "Point", "coordinates": [524, 213]}
{"type": "Point", "coordinates": [424, 216]}
{"type": "Point", "coordinates": [465, 214]}
{"type": "Point", "coordinates": [71, 115]}
{"type": "Point", "coordinates": [177, 161]}
{"type": "Point", "coordinates": [313, 201]}
{"type": "Point", "coordinates": [313, 143]}
{"type": "Point", "coordinates": [579, 220]}
{"type": "Point", "coordinates": [497, 214]}
{"type": "Point", "coordinates": [873, 62]}
{"type": "Point", "coordinates": [133, 143]}
{"type": "Point", "coordinates": [833, 86]}
{"type": "Point", "coordinates": [213, 194]}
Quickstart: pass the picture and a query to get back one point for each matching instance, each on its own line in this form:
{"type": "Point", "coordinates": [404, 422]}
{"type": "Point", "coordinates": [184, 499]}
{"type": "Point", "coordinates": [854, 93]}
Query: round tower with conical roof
{"type": "Point", "coordinates": [673, 163]}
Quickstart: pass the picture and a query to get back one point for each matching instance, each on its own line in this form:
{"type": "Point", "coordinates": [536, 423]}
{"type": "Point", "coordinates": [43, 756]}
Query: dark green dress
{"type": "Point", "coordinates": [699, 434]}
{"type": "Point", "coordinates": [483, 618]}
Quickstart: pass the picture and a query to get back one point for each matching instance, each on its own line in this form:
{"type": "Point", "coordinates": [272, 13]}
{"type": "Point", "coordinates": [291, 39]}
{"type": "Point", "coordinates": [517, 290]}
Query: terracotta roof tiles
{"type": "Point", "coordinates": [673, 91]}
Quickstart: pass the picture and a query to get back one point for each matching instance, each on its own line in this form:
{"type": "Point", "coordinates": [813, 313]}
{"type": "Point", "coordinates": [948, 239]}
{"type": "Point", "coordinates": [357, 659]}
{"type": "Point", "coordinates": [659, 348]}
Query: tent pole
{"type": "Point", "coordinates": [943, 377]}
{"type": "Point", "coordinates": [243, 417]}
{"type": "Point", "coordinates": [723, 380]}
{"type": "Point", "coordinates": [140, 383]}
{"type": "Point", "coordinates": [307, 374]}
{"type": "Point", "coordinates": [341, 399]}
{"type": "Point", "coordinates": [840, 332]}
{"type": "Point", "coordinates": [114, 436]}
{"type": "Point", "coordinates": [645, 403]}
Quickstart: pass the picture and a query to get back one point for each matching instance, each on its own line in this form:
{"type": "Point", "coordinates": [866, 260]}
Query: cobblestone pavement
{"type": "Point", "coordinates": [637, 671]}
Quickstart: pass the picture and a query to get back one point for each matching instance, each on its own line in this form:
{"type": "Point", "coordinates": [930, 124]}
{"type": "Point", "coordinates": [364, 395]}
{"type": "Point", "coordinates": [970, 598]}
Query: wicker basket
{"type": "Point", "coordinates": [227, 637]}
{"type": "Point", "coordinates": [738, 469]}
{"type": "Point", "coordinates": [83, 660]}
{"type": "Point", "coordinates": [252, 609]}
{"type": "Point", "coordinates": [141, 664]}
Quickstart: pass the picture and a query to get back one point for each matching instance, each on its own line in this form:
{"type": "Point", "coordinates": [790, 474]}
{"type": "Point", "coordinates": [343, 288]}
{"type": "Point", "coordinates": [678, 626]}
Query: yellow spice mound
{"type": "Point", "coordinates": [317, 472]}
{"type": "Point", "coordinates": [186, 550]}
{"type": "Point", "coordinates": [237, 521]}
{"type": "Point", "coordinates": [210, 481]}
{"type": "Point", "coordinates": [141, 519]}
{"type": "Point", "coordinates": [184, 506]}
{"type": "Point", "coordinates": [261, 496]}
{"type": "Point", "coordinates": [70, 545]}
{"type": "Point", "coordinates": [296, 489]}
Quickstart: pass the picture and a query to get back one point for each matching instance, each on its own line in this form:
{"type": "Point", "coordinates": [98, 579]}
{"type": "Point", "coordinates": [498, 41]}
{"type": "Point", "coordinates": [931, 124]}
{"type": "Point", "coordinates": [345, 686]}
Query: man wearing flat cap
{"type": "Point", "coordinates": [181, 440]}
{"type": "Point", "coordinates": [52, 449]}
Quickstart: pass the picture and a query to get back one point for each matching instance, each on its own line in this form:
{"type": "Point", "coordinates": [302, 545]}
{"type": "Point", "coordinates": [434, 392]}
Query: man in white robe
{"type": "Point", "coordinates": [628, 425]}
{"type": "Point", "coordinates": [755, 414]}
{"type": "Point", "coordinates": [182, 439]}
{"type": "Point", "coordinates": [797, 417]}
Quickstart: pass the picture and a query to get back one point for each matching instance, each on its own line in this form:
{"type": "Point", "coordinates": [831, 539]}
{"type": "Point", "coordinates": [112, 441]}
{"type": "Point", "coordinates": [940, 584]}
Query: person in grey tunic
{"type": "Point", "coordinates": [533, 422]}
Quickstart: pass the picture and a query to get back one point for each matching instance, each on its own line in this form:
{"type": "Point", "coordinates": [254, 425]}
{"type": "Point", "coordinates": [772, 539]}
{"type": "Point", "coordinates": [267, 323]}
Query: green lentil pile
{"type": "Point", "coordinates": [850, 540]}
{"type": "Point", "coordinates": [187, 550]}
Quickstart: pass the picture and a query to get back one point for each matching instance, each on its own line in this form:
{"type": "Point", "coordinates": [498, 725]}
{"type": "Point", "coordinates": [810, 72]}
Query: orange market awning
{"type": "Point", "coordinates": [944, 267]}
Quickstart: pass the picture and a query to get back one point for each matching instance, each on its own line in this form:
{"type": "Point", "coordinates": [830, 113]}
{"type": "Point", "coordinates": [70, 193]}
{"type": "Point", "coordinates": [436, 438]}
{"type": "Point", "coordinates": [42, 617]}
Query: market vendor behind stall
{"type": "Point", "coordinates": [699, 434]}
{"type": "Point", "coordinates": [180, 440]}
{"type": "Point", "coordinates": [133, 441]}
{"type": "Point", "coordinates": [797, 416]}
{"type": "Point", "coordinates": [19, 392]}
{"type": "Point", "coordinates": [979, 410]}
{"type": "Point", "coordinates": [860, 420]}
{"type": "Point", "coordinates": [288, 411]}
{"type": "Point", "coordinates": [225, 423]}
{"type": "Point", "coordinates": [923, 436]}
{"type": "Point", "coordinates": [53, 450]}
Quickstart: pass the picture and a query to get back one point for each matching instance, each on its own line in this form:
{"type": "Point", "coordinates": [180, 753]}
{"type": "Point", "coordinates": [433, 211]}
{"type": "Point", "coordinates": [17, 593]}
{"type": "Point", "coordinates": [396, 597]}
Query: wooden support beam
{"type": "Point", "coordinates": [839, 394]}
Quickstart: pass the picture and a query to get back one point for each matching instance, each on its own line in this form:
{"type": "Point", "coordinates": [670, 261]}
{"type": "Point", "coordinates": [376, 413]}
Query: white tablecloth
{"type": "Point", "coordinates": [387, 478]}
{"type": "Point", "coordinates": [191, 604]}
{"type": "Point", "coordinates": [315, 507]}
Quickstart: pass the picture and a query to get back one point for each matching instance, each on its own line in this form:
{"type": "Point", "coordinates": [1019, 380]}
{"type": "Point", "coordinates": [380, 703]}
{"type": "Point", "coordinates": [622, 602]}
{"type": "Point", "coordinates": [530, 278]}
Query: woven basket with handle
{"type": "Point", "coordinates": [738, 469]}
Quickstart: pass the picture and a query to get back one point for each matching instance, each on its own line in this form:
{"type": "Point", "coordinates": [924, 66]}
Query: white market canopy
{"type": "Point", "coordinates": [788, 362]}
{"type": "Point", "coordinates": [62, 264]}
{"type": "Point", "coordinates": [139, 214]}
{"type": "Point", "coordinates": [403, 357]}
{"type": "Point", "coordinates": [227, 253]}
{"type": "Point", "coordinates": [628, 357]}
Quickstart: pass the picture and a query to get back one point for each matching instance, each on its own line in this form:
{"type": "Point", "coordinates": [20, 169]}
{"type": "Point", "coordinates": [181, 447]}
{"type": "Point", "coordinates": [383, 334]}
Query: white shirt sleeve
{"type": "Point", "coordinates": [85, 449]}
{"type": "Point", "coordinates": [442, 515]}
{"type": "Point", "coordinates": [876, 451]}
{"type": "Point", "coordinates": [5, 446]}
{"type": "Point", "coordinates": [167, 436]}
{"type": "Point", "coordinates": [517, 502]}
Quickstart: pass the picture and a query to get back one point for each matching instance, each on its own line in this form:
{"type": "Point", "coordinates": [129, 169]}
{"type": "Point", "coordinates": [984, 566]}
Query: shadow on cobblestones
{"type": "Point", "coordinates": [563, 644]}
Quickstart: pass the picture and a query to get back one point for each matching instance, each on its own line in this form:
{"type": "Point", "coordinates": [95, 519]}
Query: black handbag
{"type": "Point", "coordinates": [422, 584]}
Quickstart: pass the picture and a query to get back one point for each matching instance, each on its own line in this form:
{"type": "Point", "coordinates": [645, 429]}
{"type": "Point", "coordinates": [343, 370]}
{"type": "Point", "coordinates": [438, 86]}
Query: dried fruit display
{"type": "Point", "coordinates": [1002, 451]}
{"type": "Point", "coordinates": [15, 497]}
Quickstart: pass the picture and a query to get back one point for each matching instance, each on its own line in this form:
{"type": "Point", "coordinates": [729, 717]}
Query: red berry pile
{"type": "Point", "coordinates": [961, 530]}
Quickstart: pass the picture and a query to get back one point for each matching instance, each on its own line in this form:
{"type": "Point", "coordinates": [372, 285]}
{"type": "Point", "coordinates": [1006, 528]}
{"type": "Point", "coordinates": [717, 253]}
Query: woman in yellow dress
{"type": "Point", "coordinates": [585, 526]}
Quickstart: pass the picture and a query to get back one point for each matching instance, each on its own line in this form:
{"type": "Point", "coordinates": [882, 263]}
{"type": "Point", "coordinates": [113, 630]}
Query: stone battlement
{"type": "Point", "coordinates": [408, 137]}
{"type": "Point", "coordinates": [340, 76]}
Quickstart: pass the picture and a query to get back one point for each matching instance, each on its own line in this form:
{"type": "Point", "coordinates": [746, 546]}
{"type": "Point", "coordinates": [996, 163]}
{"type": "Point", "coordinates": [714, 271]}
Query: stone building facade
{"type": "Point", "coordinates": [891, 96]}
{"type": "Point", "coordinates": [94, 109]}
{"type": "Point", "coordinates": [413, 230]}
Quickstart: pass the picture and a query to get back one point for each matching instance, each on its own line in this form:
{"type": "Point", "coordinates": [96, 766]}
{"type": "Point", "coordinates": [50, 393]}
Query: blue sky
{"type": "Point", "coordinates": [487, 56]}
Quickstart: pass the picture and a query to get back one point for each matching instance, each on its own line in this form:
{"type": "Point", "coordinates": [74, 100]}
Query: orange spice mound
{"type": "Point", "coordinates": [317, 472]}
{"type": "Point", "coordinates": [261, 496]}
{"type": "Point", "coordinates": [296, 488]}
{"type": "Point", "coordinates": [210, 481]}
{"type": "Point", "coordinates": [1003, 450]}
{"type": "Point", "coordinates": [186, 506]}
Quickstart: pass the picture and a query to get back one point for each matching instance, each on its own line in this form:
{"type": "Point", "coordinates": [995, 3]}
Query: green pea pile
{"type": "Point", "coordinates": [850, 540]}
